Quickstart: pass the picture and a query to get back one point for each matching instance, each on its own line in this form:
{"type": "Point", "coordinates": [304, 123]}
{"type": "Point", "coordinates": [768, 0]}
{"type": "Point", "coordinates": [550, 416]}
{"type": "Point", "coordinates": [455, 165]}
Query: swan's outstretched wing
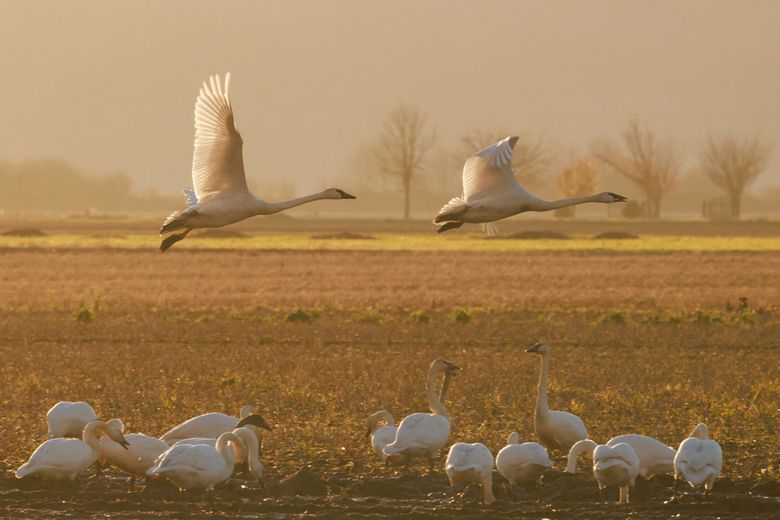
{"type": "Point", "coordinates": [489, 171]}
{"type": "Point", "coordinates": [217, 163]}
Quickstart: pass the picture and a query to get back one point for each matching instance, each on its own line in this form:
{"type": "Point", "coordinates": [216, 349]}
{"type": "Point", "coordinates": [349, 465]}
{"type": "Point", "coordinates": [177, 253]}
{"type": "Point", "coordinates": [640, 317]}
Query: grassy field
{"type": "Point", "coordinates": [647, 339]}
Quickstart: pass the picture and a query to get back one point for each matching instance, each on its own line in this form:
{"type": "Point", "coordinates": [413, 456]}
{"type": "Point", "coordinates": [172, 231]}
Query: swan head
{"type": "Point", "coordinates": [254, 420]}
{"type": "Point", "coordinates": [609, 197]}
{"type": "Point", "coordinates": [108, 429]}
{"type": "Point", "coordinates": [117, 424]}
{"type": "Point", "coordinates": [700, 432]}
{"type": "Point", "coordinates": [335, 193]}
{"type": "Point", "coordinates": [246, 410]}
{"type": "Point", "coordinates": [514, 438]}
{"type": "Point", "coordinates": [445, 366]}
{"type": "Point", "coordinates": [375, 418]}
{"type": "Point", "coordinates": [539, 348]}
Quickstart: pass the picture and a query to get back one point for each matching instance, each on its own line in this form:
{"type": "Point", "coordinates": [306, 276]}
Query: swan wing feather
{"type": "Point", "coordinates": [489, 171]}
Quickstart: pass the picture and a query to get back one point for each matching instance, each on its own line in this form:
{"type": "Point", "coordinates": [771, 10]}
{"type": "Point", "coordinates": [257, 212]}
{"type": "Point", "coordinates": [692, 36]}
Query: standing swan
{"type": "Point", "coordinates": [220, 195]}
{"type": "Point", "coordinates": [210, 425]}
{"type": "Point", "coordinates": [699, 459]}
{"type": "Point", "coordinates": [382, 435]}
{"type": "Point", "coordinates": [61, 459]}
{"type": "Point", "coordinates": [424, 434]}
{"type": "Point", "coordinates": [471, 463]}
{"type": "Point", "coordinates": [522, 463]}
{"type": "Point", "coordinates": [557, 430]}
{"type": "Point", "coordinates": [655, 457]}
{"type": "Point", "coordinates": [67, 419]}
{"type": "Point", "coordinates": [197, 466]}
{"type": "Point", "coordinates": [491, 192]}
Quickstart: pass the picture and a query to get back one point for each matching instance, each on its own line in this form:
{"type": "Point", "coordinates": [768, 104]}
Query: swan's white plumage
{"type": "Point", "coordinates": [655, 457]}
{"type": "Point", "coordinates": [139, 456]}
{"type": "Point", "coordinates": [68, 419]}
{"type": "Point", "coordinates": [210, 425]}
{"type": "Point", "coordinates": [469, 464]}
{"type": "Point", "coordinates": [489, 171]}
{"type": "Point", "coordinates": [616, 465]}
{"type": "Point", "coordinates": [699, 459]}
{"type": "Point", "coordinates": [382, 435]}
{"type": "Point", "coordinates": [522, 463]}
{"type": "Point", "coordinates": [197, 466]}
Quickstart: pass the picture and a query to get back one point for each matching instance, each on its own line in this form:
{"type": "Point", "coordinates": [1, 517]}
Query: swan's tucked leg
{"type": "Point", "coordinates": [172, 239]}
{"type": "Point", "coordinates": [449, 225]}
{"type": "Point", "coordinates": [487, 490]}
{"type": "Point", "coordinates": [623, 495]}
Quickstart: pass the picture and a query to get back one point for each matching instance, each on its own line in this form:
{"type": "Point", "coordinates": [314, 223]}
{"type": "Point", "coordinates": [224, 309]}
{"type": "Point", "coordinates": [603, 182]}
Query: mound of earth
{"type": "Point", "coordinates": [344, 235]}
{"type": "Point", "coordinates": [24, 232]}
{"type": "Point", "coordinates": [615, 235]}
{"type": "Point", "coordinates": [220, 233]}
{"type": "Point", "coordinates": [534, 235]}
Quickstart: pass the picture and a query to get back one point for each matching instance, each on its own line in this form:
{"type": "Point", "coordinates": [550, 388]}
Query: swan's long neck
{"type": "Point", "coordinates": [222, 448]}
{"type": "Point", "coordinates": [252, 442]}
{"type": "Point", "coordinates": [433, 400]}
{"type": "Point", "coordinates": [574, 453]}
{"type": "Point", "coordinates": [445, 386]}
{"type": "Point", "coordinates": [89, 435]}
{"type": "Point", "coordinates": [267, 208]}
{"type": "Point", "coordinates": [547, 205]}
{"type": "Point", "coordinates": [542, 409]}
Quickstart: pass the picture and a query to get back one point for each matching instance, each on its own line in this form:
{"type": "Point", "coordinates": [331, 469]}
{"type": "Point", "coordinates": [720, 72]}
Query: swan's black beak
{"type": "Point", "coordinates": [123, 442]}
{"type": "Point", "coordinates": [535, 348]}
{"type": "Point", "coordinates": [255, 420]}
{"type": "Point", "coordinates": [616, 197]}
{"type": "Point", "coordinates": [451, 368]}
{"type": "Point", "coordinates": [345, 195]}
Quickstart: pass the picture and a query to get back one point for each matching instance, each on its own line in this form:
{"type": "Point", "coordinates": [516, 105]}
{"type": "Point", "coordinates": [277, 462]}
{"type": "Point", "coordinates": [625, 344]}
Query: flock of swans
{"type": "Point", "coordinates": [220, 196]}
{"type": "Point", "coordinates": [209, 449]}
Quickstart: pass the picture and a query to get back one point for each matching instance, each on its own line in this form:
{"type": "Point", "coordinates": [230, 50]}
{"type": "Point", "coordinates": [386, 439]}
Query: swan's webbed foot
{"type": "Point", "coordinates": [172, 239]}
{"type": "Point", "coordinates": [448, 225]}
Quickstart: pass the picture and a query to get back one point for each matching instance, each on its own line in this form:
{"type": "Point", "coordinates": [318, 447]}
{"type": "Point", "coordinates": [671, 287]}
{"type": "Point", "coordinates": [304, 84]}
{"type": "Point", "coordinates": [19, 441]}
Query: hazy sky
{"type": "Point", "coordinates": [111, 85]}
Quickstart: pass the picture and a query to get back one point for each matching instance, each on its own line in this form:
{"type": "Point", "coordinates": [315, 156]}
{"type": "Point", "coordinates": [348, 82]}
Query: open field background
{"type": "Point", "coordinates": [643, 341]}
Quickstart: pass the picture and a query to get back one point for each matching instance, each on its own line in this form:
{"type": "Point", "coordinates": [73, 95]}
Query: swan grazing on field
{"type": "Point", "coordinates": [220, 195]}
{"type": "Point", "coordinates": [557, 430]}
{"type": "Point", "coordinates": [61, 459]}
{"type": "Point", "coordinates": [210, 425]}
{"type": "Point", "coordinates": [655, 457]}
{"type": "Point", "coordinates": [197, 466]}
{"type": "Point", "coordinates": [491, 192]}
{"type": "Point", "coordinates": [424, 434]}
{"type": "Point", "coordinates": [383, 434]}
{"type": "Point", "coordinates": [522, 463]}
{"type": "Point", "coordinates": [134, 458]}
{"type": "Point", "coordinates": [613, 465]}
{"type": "Point", "coordinates": [471, 463]}
{"type": "Point", "coordinates": [699, 459]}
{"type": "Point", "coordinates": [68, 419]}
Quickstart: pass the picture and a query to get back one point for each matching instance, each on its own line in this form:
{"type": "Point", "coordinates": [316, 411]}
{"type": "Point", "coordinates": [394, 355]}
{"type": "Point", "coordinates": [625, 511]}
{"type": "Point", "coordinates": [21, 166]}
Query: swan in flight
{"type": "Point", "coordinates": [64, 459]}
{"type": "Point", "coordinates": [383, 434]}
{"type": "Point", "coordinates": [557, 430]}
{"type": "Point", "coordinates": [522, 463]}
{"type": "Point", "coordinates": [424, 434]}
{"type": "Point", "coordinates": [210, 425]}
{"type": "Point", "coordinates": [699, 459]}
{"type": "Point", "coordinates": [491, 192]}
{"type": "Point", "coordinates": [68, 419]}
{"type": "Point", "coordinates": [197, 466]}
{"type": "Point", "coordinates": [220, 195]}
{"type": "Point", "coordinates": [655, 457]}
{"type": "Point", "coordinates": [137, 456]}
{"type": "Point", "coordinates": [471, 463]}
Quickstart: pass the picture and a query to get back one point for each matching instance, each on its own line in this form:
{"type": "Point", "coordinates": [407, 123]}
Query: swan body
{"type": "Point", "coordinates": [197, 466]}
{"type": "Point", "coordinates": [522, 463]}
{"type": "Point", "coordinates": [491, 192]}
{"type": "Point", "coordinates": [425, 434]}
{"type": "Point", "coordinates": [655, 457]}
{"type": "Point", "coordinates": [64, 459]}
{"type": "Point", "coordinates": [135, 458]}
{"type": "Point", "coordinates": [616, 465]}
{"type": "Point", "coordinates": [68, 419]}
{"type": "Point", "coordinates": [556, 429]}
{"type": "Point", "coordinates": [699, 459]}
{"type": "Point", "coordinates": [210, 425]}
{"type": "Point", "coordinates": [382, 435]}
{"type": "Point", "coordinates": [220, 195]}
{"type": "Point", "coordinates": [471, 463]}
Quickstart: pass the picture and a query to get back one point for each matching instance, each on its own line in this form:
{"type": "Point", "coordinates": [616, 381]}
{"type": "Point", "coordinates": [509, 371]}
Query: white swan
{"type": "Point", "coordinates": [68, 419]}
{"type": "Point", "coordinates": [424, 434]}
{"type": "Point", "coordinates": [135, 458]}
{"type": "Point", "coordinates": [616, 465]}
{"type": "Point", "coordinates": [383, 434]}
{"type": "Point", "coordinates": [491, 192]}
{"type": "Point", "coordinates": [247, 451]}
{"type": "Point", "coordinates": [699, 459]}
{"type": "Point", "coordinates": [61, 459]}
{"type": "Point", "coordinates": [210, 425]}
{"type": "Point", "coordinates": [557, 430]}
{"type": "Point", "coordinates": [655, 457]}
{"type": "Point", "coordinates": [197, 466]}
{"type": "Point", "coordinates": [220, 195]}
{"type": "Point", "coordinates": [522, 463]}
{"type": "Point", "coordinates": [471, 463]}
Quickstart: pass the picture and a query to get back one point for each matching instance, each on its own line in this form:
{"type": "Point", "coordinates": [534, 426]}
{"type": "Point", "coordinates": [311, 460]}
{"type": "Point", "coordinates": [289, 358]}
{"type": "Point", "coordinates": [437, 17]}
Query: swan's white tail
{"type": "Point", "coordinates": [451, 211]}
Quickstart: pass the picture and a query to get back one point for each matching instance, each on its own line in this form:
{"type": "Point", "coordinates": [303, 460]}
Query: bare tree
{"type": "Point", "coordinates": [732, 164]}
{"type": "Point", "coordinates": [403, 146]}
{"type": "Point", "coordinates": [577, 180]}
{"type": "Point", "coordinates": [531, 158]}
{"type": "Point", "coordinates": [651, 164]}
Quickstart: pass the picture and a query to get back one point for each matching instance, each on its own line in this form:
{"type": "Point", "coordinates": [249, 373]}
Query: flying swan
{"type": "Point", "coordinates": [220, 195]}
{"type": "Point", "coordinates": [491, 192]}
